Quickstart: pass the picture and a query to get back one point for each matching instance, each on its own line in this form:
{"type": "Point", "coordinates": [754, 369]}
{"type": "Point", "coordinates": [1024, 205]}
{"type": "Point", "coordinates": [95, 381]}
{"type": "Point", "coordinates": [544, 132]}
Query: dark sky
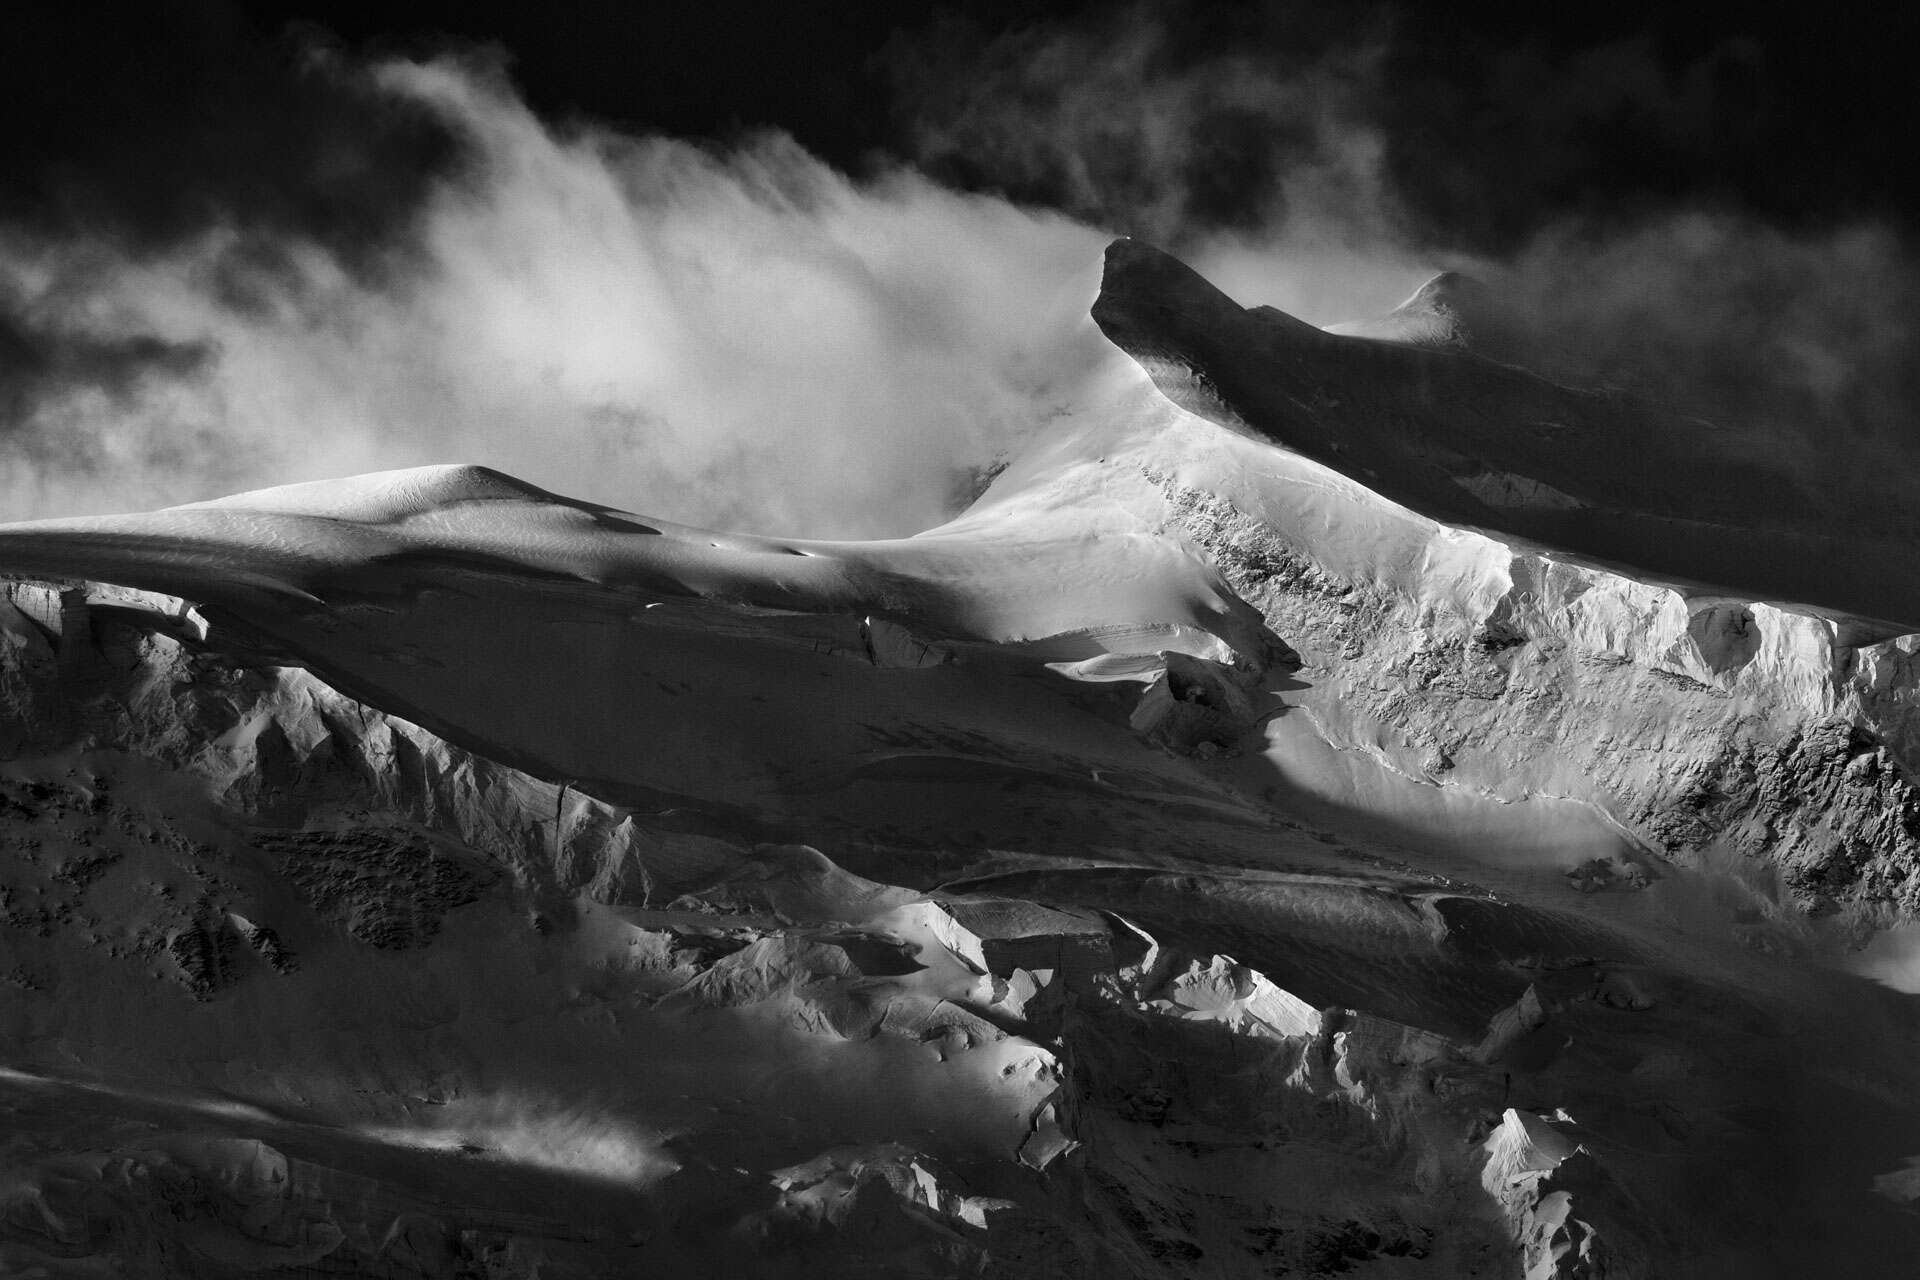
{"type": "Point", "coordinates": [1499, 119]}
{"type": "Point", "coordinates": [242, 243]}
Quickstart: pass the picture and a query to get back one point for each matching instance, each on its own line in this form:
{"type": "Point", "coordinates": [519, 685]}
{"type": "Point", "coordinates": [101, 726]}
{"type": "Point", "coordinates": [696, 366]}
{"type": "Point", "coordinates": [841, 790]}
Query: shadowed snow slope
{"type": "Point", "coordinates": [1473, 442]}
{"type": "Point", "coordinates": [1270, 832]}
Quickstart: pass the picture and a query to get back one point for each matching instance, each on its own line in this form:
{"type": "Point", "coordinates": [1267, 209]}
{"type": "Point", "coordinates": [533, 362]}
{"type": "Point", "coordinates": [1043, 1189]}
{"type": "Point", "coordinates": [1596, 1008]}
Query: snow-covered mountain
{"type": "Point", "coordinates": [1342, 804]}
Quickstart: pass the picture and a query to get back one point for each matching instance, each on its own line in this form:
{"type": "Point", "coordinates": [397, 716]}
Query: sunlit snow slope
{"type": "Point", "coordinates": [1322, 811]}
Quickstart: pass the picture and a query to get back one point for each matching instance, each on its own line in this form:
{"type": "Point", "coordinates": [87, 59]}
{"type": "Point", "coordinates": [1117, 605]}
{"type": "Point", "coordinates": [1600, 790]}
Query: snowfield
{"type": "Point", "coordinates": [1341, 804]}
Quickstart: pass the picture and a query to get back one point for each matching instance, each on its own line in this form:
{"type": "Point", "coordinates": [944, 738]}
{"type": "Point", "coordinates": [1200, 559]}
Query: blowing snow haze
{"type": "Point", "coordinates": [825, 640]}
{"type": "Point", "coordinates": [816, 283]}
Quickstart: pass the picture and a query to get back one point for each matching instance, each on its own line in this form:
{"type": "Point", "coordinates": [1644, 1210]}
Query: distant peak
{"type": "Point", "coordinates": [1450, 310]}
{"type": "Point", "coordinates": [1451, 290]}
{"type": "Point", "coordinates": [386, 497]}
{"type": "Point", "coordinates": [1128, 260]}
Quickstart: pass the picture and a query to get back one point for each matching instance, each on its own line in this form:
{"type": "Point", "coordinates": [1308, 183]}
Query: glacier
{"type": "Point", "coordinates": [1341, 803]}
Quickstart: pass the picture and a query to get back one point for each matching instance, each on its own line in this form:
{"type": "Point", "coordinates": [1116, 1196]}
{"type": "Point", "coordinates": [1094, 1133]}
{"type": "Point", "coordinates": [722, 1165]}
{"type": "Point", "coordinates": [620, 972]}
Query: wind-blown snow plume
{"type": "Point", "coordinates": [585, 1138]}
{"type": "Point", "coordinates": [1325, 165]}
{"type": "Point", "coordinates": [747, 337]}
{"type": "Point", "coordinates": [740, 337]}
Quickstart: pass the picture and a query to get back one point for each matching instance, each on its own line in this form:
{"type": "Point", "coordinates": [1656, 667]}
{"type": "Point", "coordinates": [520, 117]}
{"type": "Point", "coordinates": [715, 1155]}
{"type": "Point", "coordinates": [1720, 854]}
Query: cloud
{"type": "Point", "coordinates": [1107, 120]}
{"type": "Point", "coordinates": [1178, 119]}
{"type": "Point", "coordinates": [1248, 152]}
{"type": "Point", "coordinates": [146, 125]}
{"type": "Point", "coordinates": [1798, 342]}
{"type": "Point", "coordinates": [743, 337]}
{"type": "Point", "coordinates": [417, 268]}
{"type": "Point", "coordinates": [1627, 197]}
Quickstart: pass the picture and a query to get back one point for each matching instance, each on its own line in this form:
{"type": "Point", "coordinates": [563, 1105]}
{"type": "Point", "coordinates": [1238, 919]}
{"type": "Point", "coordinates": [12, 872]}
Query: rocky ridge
{"type": "Point", "coordinates": [322, 826]}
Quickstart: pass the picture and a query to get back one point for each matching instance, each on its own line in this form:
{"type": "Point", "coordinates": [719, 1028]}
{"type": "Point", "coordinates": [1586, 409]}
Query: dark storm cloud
{"type": "Point", "coordinates": [144, 133]}
{"type": "Point", "coordinates": [233, 256]}
{"type": "Point", "coordinates": [1800, 342]}
{"type": "Point", "coordinates": [1488, 144]}
{"type": "Point", "coordinates": [735, 334]}
{"type": "Point", "coordinates": [146, 137]}
{"type": "Point", "coordinates": [1656, 206]}
{"type": "Point", "coordinates": [1179, 119]}
{"type": "Point", "coordinates": [35, 360]}
{"type": "Point", "coordinates": [148, 124]}
{"type": "Point", "coordinates": [1144, 119]}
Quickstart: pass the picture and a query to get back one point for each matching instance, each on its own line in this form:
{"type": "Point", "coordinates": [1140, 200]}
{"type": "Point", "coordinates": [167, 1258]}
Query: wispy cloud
{"type": "Point", "coordinates": [1617, 198]}
{"type": "Point", "coordinates": [1259, 161]}
{"type": "Point", "coordinates": [743, 337]}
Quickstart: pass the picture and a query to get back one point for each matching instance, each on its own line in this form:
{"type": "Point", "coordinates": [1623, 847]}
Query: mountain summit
{"type": "Point", "coordinates": [1449, 310]}
{"type": "Point", "coordinates": [1341, 804]}
{"type": "Point", "coordinates": [1447, 432]}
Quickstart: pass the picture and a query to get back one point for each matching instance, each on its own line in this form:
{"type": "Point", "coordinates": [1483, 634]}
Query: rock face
{"type": "Point", "coordinates": [1701, 727]}
{"type": "Point", "coordinates": [1269, 833]}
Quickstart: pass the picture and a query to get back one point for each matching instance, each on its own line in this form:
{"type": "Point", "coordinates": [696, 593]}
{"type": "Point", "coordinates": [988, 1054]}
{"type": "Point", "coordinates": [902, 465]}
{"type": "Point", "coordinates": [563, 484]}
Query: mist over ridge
{"type": "Point", "coordinates": [738, 333]}
{"type": "Point", "coordinates": [1187, 640]}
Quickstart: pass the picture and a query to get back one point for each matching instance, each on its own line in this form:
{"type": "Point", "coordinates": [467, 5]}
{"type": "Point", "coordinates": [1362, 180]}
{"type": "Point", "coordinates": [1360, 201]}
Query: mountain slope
{"type": "Point", "coordinates": [1198, 858]}
{"type": "Point", "coordinates": [1473, 442]}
